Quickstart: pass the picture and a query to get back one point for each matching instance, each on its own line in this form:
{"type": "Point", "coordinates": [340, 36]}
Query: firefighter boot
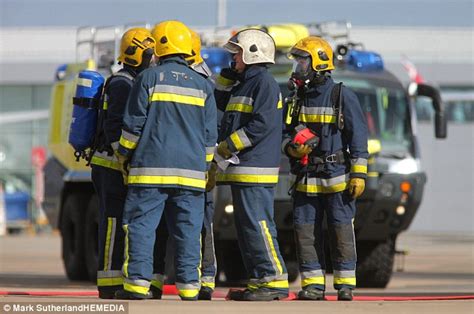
{"type": "Point", "coordinates": [311, 294]}
{"type": "Point", "coordinates": [345, 294]}
{"type": "Point", "coordinates": [260, 294]}
{"type": "Point", "coordinates": [156, 292]}
{"type": "Point", "coordinates": [205, 293]}
{"type": "Point", "coordinates": [127, 295]}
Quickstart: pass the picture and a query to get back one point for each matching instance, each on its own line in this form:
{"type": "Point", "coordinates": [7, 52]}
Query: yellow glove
{"type": "Point", "coordinates": [123, 166]}
{"type": "Point", "coordinates": [211, 177]}
{"type": "Point", "coordinates": [356, 187]}
{"type": "Point", "coordinates": [299, 151]}
{"type": "Point", "coordinates": [223, 150]}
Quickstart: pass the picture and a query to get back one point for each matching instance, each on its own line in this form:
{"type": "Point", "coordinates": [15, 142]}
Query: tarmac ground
{"type": "Point", "coordinates": [437, 267]}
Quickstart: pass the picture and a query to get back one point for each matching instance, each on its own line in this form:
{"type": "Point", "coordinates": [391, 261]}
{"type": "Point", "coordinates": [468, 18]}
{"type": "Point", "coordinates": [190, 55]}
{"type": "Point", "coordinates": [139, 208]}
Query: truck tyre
{"type": "Point", "coordinates": [375, 263]}
{"type": "Point", "coordinates": [72, 229]}
{"type": "Point", "coordinates": [91, 238]}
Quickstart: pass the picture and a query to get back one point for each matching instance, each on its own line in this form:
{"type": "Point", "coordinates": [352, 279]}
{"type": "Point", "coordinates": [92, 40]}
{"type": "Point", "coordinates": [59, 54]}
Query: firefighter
{"type": "Point", "coordinates": [169, 133]}
{"type": "Point", "coordinates": [136, 54]}
{"type": "Point", "coordinates": [208, 263]}
{"type": "Point", "coordinates": [251, 128]}
{"type": "Point", "coordinates": [335, 173]}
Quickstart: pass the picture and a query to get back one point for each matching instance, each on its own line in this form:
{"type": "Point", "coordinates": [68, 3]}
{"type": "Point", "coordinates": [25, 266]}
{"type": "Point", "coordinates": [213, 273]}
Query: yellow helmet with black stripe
{"type": "Point", "coordinates": [134, 43]}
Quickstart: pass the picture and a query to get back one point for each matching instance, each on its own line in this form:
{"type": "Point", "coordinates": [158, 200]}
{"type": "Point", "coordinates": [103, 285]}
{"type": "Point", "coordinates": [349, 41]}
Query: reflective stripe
{"type": "Point", "coordinates": [188, 290]}
{"type": "Point", "coordinates": [109, 243]}
{"type": "Point", "coordinates": [239, 108]}
{"type": "Point", "coordinates": [128, 140]}
{"type": "Point", "coordinates": [344, 273]}
{"type": "Point", "coordinates": [320, 280]}
{"type": "Point", "coordinates": [106, 105]}
{"type": "Point", "coordinates": [319, 185]}
{"type": "Point", "coordinates": [210, 153]}
{"type": "Point", "coordinates": [316, 118]}
{"type": "Point", "coordinates": [167, 180]}
{"type": "Point", "coordinates": [374, 146]}
{"type": "Point", "coordinates": [345, 281]}
{"type": "Point", "coordinates": [240, 103]}
{"type": "Point", "coordinates": [178, 90]}
{"type": "Point", "coordinates": [240, 139]}
{"type": "Point", "coordinates": [208, 281]}
{"type": "Point", "coordinates": [125, 252]}
{"type": "Point", "coordinates": [317, 110]}
{"type": "Point", "coordinates": [104, 160]}
{"type": "Point", "coordinates": [249, 175]}
{"type": "Point", "coordinates": [158, 281]}
{"type": "Point", "coordinates": [223, 84]}
{"type": "Point", "coordinates": [109, 278]}
{"type": "Point", "coordinates": [359, 165]}
{"type": "Point", "coordinates": [312, 273]}
{"type": "Point", "coordinates": [126, 143]}
{"type": "Point", "coordinates": [115, 145]}
{"type": "Point", "coordinates": [210, 150]}
{"type": "Point", "coordinates": [177, 98]}
{"type": "Point", "coordinates": [263, 280]}
{"type": "Point", "coordinates": [167, 176]}
{"type": "Point", "coordinates": [131, 286]}
{"type": "Point", "coordinates": [84, 82]}
{"type": "Point", "coordinates": [280, 102]}
{"type": "Point", "coordinates": [209, 157]}
{"type": "Point", "coordinates": [168, 172]}
{"type": "Point", "coordinates": [272, 254]}
{"type": "Point", "coordinates": [317, 115]}
{"type": "Point", "coordinates": [280, 284]}
{"type": "Point", "coordinates": [358, 169]}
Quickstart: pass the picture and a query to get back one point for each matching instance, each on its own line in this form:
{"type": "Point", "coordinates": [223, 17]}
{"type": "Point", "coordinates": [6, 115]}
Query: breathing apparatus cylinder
{"type": "Point", "coordinates": [86, 103]}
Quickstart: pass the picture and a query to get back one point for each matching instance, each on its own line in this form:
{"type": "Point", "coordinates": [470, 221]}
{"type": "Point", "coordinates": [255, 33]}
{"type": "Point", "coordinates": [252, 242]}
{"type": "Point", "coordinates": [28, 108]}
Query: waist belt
{"type": "Point", "coordinates": [338, 157]}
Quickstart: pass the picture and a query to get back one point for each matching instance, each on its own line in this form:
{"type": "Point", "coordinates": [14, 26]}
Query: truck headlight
{"type": "Point", "coordinates": [405, 166]}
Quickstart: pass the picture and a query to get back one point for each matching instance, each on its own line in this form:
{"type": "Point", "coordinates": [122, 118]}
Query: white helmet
{"type": "Point", "coordinates": [257, 46]}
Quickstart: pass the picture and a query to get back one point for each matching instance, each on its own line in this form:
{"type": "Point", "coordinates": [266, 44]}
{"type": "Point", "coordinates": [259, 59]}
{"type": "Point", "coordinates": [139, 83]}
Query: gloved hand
{"type": "Point", "coordinates": [124, 166]}
{"type": "Point", "coordinates": [211, 177]}
{"type": "Point", "coordinates": [356, 187]}
{"type": "Point", "coordinates": [230, 74]}
{"type": "Point", "coordinates": [299, 151]}
{"type": "Point", "coordinates": [223, 150]}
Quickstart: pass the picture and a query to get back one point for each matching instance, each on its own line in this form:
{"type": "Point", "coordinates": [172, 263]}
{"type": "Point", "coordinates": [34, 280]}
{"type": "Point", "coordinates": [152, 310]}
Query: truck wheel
{"type": "Point", "coordinates": [375, 263]}
{"type": "Point", "coordinates": [91, 238]}
{"type": "Point", "coordinates": [72, 228]}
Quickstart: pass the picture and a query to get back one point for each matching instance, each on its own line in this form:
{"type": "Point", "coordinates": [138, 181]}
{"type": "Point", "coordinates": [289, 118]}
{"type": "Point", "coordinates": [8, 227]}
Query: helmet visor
{"type": "Point", "coordinates": [301, 66]}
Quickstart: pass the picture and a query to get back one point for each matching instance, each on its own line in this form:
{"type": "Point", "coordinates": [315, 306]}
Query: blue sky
{"type": "Point", "coordinates": [444, 13]}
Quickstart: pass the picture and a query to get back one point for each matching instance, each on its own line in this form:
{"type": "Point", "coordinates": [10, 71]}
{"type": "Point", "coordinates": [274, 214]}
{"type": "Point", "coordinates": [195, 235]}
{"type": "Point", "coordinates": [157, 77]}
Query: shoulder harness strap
{"type": "Point", "coordinates": [338, 104]}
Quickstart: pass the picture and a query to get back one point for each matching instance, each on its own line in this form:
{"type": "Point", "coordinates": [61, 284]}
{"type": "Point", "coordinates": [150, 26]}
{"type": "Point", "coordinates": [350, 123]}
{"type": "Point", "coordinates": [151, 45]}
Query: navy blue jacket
{"type": "Point", "coordinates": [318, 113]}
{"type": "Point", "coordinates": [116, 94]}
{"type": "Point", "coordinates": [251, 126]}
{"type": "Point", "coordinates": [169, 127]}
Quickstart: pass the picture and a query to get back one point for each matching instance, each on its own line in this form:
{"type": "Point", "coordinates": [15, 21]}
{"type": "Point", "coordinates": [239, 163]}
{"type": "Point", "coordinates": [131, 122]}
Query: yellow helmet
{"type": "Point", "coordinates": [196, 57]}
{"type": "Point", "coordinates": [318, 49]}
{"type": "Point", "coordinates": [134, 43]}
{"type": "Point", "coordinates": [172, 37]}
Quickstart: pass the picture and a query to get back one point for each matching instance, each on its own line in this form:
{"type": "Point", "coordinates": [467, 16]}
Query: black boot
{"type": "Point", "coordinates": [205, 294]}
{"type": "Point", "coordinates": [345, 294]}
{"type": "Point", "coordinates": [127, 295]}
{"type": "Point", "coordinates": [108, 292]}
{"type": "Point", "coordinates": [156, 292]}
{"type": "Point", "coordinates": [311, 294]}
{"type": "Point", "coordinates": [260, 294]}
